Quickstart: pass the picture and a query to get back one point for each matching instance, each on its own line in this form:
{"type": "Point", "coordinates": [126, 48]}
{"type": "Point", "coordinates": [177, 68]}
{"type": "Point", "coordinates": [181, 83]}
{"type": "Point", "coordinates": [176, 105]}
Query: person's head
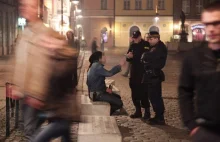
{"type": "Point", "coordinates": [95, 39]}
{"type": "Point", "coordinates": [153, 38]}
{"type": "Point", "coordinates": [211, 19]}
{"type": "Point", "coordinates": [70, 35]}
{"type": "Point", "coordinates": [136, 36]}
{"type": "Point", "coordinates": [29, 9]}
{"type": "Point", "coordinates": [97, 56]}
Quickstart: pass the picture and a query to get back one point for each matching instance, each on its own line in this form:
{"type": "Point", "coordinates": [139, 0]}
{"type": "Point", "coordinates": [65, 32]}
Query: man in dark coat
{"type": "Point", "coordinates": [133, 56]}
{"type": "Point", "coordinates": [199, 86]}
{"type": "Point", "coordinates": [154, 61]}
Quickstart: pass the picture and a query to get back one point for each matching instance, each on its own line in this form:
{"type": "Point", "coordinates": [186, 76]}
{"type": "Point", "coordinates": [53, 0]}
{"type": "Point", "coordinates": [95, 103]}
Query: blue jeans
{"type": "Point", "coordinates": [113, 99]}
{"type": "Point", "coordinates": [55, 129]}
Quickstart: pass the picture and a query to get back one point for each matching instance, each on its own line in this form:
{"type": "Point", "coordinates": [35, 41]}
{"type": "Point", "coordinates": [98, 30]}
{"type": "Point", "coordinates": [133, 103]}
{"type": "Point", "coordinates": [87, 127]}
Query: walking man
{"type": "Point", "coordinates": [199, 84]}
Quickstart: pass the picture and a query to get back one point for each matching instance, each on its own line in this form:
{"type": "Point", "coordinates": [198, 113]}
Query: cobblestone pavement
{"type": "Point", "coordinates": [134, 130]}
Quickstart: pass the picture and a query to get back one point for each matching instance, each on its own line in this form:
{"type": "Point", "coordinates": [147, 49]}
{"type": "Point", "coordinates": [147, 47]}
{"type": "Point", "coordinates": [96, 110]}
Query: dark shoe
{"type": "Point", "coordinates": [136, 115]}
{"type": "Point", "coordinates": [156, 121]}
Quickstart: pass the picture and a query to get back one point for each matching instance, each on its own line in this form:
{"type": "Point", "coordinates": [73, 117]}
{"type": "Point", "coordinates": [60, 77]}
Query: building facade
{"type": "Point", "coordinates": [98, 19]}
{"type": "Point", "coordinates": [143, 15]}
{"type": "Point", "coordinates": [192, 10]}
{"type": "Point", "coordinates": [8, 26]}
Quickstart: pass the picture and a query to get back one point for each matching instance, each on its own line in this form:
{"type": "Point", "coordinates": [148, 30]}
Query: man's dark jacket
{"type": "Point", "coordinates": [137, 68]}
{"type": "Point", "coordinates": [199, 88]}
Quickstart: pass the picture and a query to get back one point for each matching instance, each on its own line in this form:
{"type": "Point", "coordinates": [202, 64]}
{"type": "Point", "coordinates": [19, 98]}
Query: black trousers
{"type": "Point", "coordinates": [154, 92]}
{"type": "Point", "coordinates": [139, 97]}
{"type": "Point", "coordinates": [205, 135]}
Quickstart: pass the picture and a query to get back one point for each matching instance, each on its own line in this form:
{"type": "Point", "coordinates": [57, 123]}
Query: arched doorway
{"type": "Point", "coordinates": [154, 29]}
{"type": "Point", "coordinates": [133, 29]}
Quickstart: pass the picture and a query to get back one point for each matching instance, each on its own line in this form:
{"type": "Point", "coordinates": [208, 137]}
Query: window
{"type": "Point", "coordinates": [126, 4]}
{"type": "Point", "coordinates": [103, 4]}
{"type": "Point", "coordinates": [138, 4]}
{"type": "Point", "coordinates": [199, 6]}
{"type": "Point", "coordinates": [161, 4]}
{"type": "Point", "coordinates": [150, 4]}
{"type": "Point", "coordinates": [186, 6]}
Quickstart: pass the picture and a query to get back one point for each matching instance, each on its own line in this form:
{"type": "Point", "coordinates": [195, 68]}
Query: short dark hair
{"type": "Point", "coordinates": [214, 6]}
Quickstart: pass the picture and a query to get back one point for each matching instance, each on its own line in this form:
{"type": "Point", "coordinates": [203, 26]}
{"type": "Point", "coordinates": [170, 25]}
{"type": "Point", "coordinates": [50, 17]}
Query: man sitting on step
{"type": "Point", "coordinates": [96, 81]}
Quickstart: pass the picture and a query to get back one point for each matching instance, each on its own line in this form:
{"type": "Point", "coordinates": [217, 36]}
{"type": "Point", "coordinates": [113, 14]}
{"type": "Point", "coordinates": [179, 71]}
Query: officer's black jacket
{"type": "Point", "coordinates": [137, 69]}
{"type": "Point", "coordinates": [199, 88]}
{"type": "Point", "coordinates": [156, 58]}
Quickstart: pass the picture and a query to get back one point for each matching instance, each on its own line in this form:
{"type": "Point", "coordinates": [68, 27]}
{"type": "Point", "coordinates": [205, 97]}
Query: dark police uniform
{"type": "Point", "coordinates": [199, 93]}
{"type": "Point", "coordinates": [136, 74]}
{"type": "Point", "coordinates": [154, 61]}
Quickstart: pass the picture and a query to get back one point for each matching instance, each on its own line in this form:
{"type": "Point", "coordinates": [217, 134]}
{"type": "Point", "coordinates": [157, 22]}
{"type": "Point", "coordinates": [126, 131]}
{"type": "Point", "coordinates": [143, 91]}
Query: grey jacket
{"type": "Point", "coordinates": [97, 74]}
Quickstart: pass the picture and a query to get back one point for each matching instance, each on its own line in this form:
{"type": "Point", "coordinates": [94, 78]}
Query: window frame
{"type": "Point", "coordinates": [163, 4]}
{"type": "Point", "coordinates": [104, 5]}
{"type": "Point", "coordinates": [147, 4]}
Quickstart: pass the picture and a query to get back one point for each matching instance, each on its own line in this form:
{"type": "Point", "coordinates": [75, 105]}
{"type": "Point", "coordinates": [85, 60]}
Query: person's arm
{"type": "Point", "coordinates": [103, 72]}
{"type": "Point", "coordinates": [186, 94]}
{"type": "Point", "coordinates": [129, 50]}
{"type": "Point", "coordinates": [159, 58]}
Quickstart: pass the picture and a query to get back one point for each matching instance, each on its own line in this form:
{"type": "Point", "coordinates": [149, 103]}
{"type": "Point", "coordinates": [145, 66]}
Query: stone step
{"type": "Point", "coordinates": [94, 108]}
{"type": "Point", "coordinates": [98, 129]}
{"type": "Point", "coordinates": [115, 90]}
{"type": "Point", "coordinates": [109, 81]}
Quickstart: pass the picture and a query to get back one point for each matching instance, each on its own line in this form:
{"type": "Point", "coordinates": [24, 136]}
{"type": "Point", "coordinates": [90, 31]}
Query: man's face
{"type": "Point", "coordinates": [153, 41]}
{"type": "Point", "coordinates": [28, 9]}
{"type": "Point", "coordinates": [212, 22]}
{"type": "Point", "coordinates": [137, 40]}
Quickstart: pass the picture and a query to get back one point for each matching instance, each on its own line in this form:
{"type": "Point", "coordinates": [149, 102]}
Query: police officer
{"type": "Point", "coordinates": [199, 87]}
{"type": "Point", "coordinates": [154, 61]}
{"type": "Point", "coordinates": [137, 48]}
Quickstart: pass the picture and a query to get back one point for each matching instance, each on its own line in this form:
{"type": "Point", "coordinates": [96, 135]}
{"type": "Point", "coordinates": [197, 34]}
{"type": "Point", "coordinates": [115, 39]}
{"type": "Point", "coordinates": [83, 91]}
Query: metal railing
{"type": "Point", "coordinates": [12, 109]}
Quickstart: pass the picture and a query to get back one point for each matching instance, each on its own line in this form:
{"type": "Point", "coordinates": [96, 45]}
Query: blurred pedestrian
{"type": "Point", "coordinates": [94, 45]}
{"type": "Point", "coordinates": [33, 65]}
{"type": "Point", "coordinates": [199, 82]}
{"type": "Point", "coordinates": [137, 48]}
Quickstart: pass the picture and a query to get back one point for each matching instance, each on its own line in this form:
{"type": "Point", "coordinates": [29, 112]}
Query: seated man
{"type": "Point", "coordinates": [96, 81]}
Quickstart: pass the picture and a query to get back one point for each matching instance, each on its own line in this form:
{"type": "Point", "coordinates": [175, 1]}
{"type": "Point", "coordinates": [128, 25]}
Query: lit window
{"type": "Point", "coordinates": [199, 6]}
{"type": "Point", "coordinates": [186, 6]}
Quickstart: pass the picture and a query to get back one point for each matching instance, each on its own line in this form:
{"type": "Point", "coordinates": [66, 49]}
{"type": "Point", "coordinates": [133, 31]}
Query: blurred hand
{"type": "Point", "coordinates": [109, 90]}
{"type": "Point", "coordinates": [194, 131]}
{"type": "Point", "coordinates": [130, 55]}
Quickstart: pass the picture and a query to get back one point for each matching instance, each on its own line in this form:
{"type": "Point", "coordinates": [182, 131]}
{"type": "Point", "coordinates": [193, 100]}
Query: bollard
{"type": "Point", "coordinates": [7, 110]}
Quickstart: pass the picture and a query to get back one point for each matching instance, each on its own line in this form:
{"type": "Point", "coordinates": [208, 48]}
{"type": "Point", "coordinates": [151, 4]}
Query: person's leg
{"type": "Point", "coordinates": [115, 102]}
{"type": "Point", "coordinates": [53, 130]}
{"type": "Point", "coordinates": [136, 101]}
{"type": "Point", "coordinates": [30, 121]}
{"type": "Point", "coordinates": [145, 102]}
{"type": "Point", "coordinates": [155, 96]}
{"type": "Point", "coordinates": [127, 69]}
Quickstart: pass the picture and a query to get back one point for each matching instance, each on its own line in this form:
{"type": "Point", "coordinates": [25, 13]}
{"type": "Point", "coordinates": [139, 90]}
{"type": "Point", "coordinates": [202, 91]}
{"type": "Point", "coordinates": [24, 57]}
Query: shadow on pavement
{"type": "Point", "coordinates": [174, 132]}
